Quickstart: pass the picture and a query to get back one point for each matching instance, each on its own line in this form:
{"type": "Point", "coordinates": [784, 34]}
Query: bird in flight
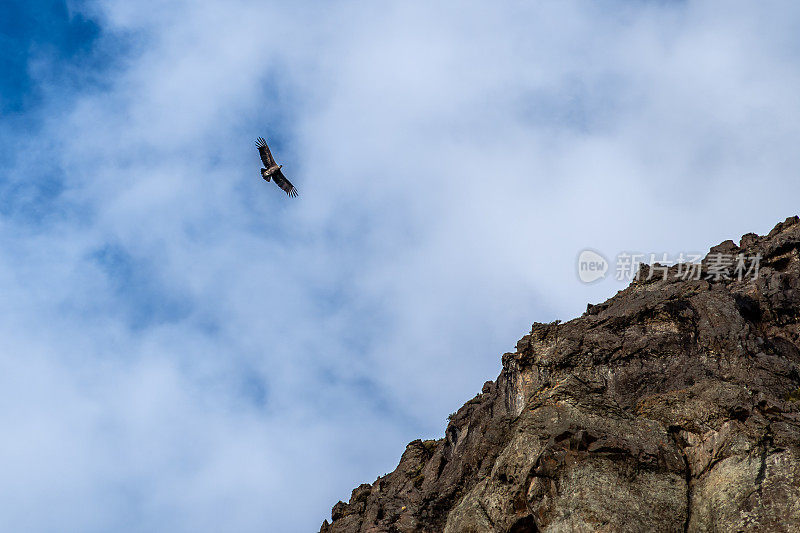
{"type": "Point", "coordinates": [272, 170]}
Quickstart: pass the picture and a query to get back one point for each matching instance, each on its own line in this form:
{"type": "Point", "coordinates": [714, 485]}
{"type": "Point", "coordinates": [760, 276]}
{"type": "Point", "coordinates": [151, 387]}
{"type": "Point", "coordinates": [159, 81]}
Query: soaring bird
{"type": "Point", "coordinates": [272, 170]}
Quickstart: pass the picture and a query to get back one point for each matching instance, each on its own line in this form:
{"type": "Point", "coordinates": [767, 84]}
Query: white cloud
{"type": "Point", "coordinates": [451, 162]}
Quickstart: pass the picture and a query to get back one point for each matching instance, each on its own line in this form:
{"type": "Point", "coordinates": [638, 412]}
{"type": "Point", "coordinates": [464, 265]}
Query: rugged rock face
{"type": "Point", "coordinates": [673, 406]}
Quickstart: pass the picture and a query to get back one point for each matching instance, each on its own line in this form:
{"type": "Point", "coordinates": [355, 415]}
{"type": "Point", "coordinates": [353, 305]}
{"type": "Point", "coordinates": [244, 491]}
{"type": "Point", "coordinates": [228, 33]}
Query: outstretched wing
{"type": "Point", "coordinates": [263, 151]}
{"type": "Point", "coordinates": [281, 181]}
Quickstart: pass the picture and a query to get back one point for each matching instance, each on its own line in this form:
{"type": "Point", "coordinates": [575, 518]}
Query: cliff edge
{"type": "Point", "coordinates": [672, 406]}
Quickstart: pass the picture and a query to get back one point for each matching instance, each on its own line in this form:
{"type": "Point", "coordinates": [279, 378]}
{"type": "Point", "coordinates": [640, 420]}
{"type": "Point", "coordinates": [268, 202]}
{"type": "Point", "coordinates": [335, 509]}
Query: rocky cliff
{"type": "Point", "coordinates": [673, 406]}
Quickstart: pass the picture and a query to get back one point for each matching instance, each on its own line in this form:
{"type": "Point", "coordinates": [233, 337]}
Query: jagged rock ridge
{"type": "Point", "coordinates": [673, 406]}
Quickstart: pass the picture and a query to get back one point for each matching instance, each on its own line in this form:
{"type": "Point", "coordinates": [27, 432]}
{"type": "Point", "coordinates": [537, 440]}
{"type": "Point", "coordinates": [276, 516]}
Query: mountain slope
{"type": "Point", "coordinates": [673, 406]}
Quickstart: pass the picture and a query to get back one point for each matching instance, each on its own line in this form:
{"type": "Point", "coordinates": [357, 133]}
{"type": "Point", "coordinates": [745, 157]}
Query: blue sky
{"type": "Point", "coordinates": [184, 348]}
{"type": "Point", "coordinates": [33, 30]}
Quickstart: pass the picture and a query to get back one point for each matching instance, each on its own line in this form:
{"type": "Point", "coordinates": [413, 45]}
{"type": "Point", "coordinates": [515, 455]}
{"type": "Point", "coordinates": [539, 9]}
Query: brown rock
{"type": "Point", "coordinates": [673, 406]}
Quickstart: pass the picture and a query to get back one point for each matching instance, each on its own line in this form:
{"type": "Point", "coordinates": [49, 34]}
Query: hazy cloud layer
{"type": "Point", "coordinates": [186, 349]}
